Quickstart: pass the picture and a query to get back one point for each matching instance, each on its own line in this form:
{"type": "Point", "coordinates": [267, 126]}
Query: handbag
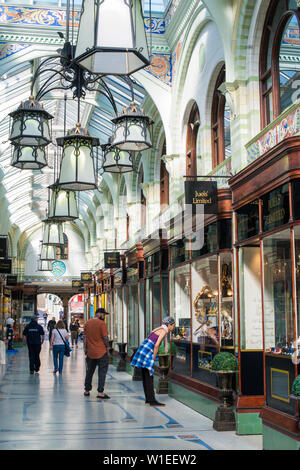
{"type": "Point", "coordinates": [68, 349]}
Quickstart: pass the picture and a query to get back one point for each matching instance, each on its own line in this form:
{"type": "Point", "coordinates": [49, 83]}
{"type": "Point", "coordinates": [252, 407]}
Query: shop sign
{"type": "Point", "coordinates": [5, 266]}
{"type": "Point", "coordinates": [202, 193]}
{"type": "Point", "coordinates": [276, 208]}
{"type": "Point", "coordinates": [87, 277]}
{"type": "Point", "coordinates": [7, 293]}
{"type": "Point", "coordinates": [3, 247]}
{"type": "Point", "coordinates": [77, 284]}
{"type": "Point", "coordinates": [112, 260]}
{"type": "Point", "coordinates": [11, 280]}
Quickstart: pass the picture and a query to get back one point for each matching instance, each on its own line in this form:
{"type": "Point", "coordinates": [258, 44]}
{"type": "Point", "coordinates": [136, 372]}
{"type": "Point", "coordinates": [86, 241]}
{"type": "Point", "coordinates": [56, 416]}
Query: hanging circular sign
{"type": "Point", "coordinates": [58, 268]}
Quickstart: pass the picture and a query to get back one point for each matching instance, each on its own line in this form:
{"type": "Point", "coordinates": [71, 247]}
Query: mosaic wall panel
{"type": "Point", "coordinates": [161, 67]}
{"type": "Point", "coordinates": [35, 16]}
{"type": "Point", "coordinates": [8, 49]}
{"type": "Point", "coordinates": [287, 127]}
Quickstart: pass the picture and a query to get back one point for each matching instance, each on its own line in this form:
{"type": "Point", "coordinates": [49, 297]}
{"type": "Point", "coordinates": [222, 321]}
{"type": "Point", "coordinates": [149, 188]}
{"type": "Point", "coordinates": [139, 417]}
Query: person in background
{"type": "Point", "coordinates": [59, 335]}
{"type": "Point", "coordinates": [35, 335]}
{"type": "Point", "coordinates": [74, 329]}
{"type": "Point", "coordinates": [96, 350]}
{"type": "Point", "coordinates": [45, 318]}
{"type": "Point", "coordinates": [50, 326]}
{"type": "Point", "coordinates": [146, 355]}
{"type": "Point", "coordinates": [10, 335]}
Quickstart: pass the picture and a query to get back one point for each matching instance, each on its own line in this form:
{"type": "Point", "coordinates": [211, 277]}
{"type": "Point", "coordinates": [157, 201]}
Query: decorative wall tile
{"type": "Point", "coordinates": [7, 49]}
{"type": "Point", "coordinates": [161, 67]}
{"type": "Point", "coordinates": [35, 16]}
{"type": "Point", "coordinates": [287, 127]}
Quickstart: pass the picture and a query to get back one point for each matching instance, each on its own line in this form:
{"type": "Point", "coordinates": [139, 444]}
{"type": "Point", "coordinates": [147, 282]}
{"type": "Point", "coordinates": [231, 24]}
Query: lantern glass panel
{"type": "Point", "coordinates": [63, 205]}
{"type": "Point", "coordinates": [47, 253]}
{"type": "Point", "coordinates": [117, 43]}
{"type": "Point", "coordinates": [44, 265]}
{"type": "Point", "coordinates": [77, 167]}
{"type": "Point", "coordinates": [29, 158]}
{"type": "Point", "coordinates": [117, 161]}
{"type": "Point", "coordinates": [132, 134]}
{"type": "Point", "coordinates": [53, 234]}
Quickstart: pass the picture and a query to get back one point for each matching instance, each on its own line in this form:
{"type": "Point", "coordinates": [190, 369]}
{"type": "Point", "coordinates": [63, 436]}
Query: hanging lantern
{"type": "Point", "coordinates": [132, 129]}
{"type": "Point", "coordinates": [63, 205]}
{"type": "Point", "coordinates": [53, 233]}
{"type": "Point", "coordinates": [29, 158]}
{"type": "Point", "coordinates": [116, 160]}
{"type": "Point", "coordinates": [111, 37]}
{"type": "Point", "coordinates": [30, 125]}
{"type": "Point", "coordinates": [44, 265]}
{"type": "Point", "coordinates": [77, 169]}
{"type": "Point", "coordinates": [48, 253]}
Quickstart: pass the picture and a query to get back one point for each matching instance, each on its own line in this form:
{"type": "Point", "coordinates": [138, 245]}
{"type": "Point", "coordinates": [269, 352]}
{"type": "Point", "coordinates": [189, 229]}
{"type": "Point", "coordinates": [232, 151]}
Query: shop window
{"type": "Point", "coordinates": [180, 287]}
{"type": "Point", "coordinates": [250, 298]}
{"type": "Point", "coordinates": [220, 125]}
{"type": "Point", "coordinates": [248, 221]}
{"type": "Point", "coordinates": [276, 208]}
{"type": "Point", "coordinates": [278, 295]}
{"type": "Point", "coordinates": [279, 72]}
{"type": "Point", "coordinates": [62, 252]}
{"type": "Point", "coordinates": [118, 316]}
{"type": "Point", "coordinates": [164, 184]}
{"type": "Point", "coordinates": [133, 325]}
{"type": "Point", "coordinates": [205, 305]}
{"type": "Point", "coordinates": [191, 141]}
{"type": "Point", "coordinates": [297, 267]}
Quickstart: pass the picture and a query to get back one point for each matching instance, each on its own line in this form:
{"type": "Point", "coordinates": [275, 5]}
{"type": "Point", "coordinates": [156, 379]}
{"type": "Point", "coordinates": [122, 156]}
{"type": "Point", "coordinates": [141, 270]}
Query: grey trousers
{"type": "Point", "coordinates": [91, 365]}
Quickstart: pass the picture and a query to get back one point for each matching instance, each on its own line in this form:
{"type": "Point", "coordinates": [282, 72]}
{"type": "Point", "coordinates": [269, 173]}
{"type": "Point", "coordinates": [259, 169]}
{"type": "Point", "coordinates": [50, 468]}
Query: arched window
{"type": "Point", "coordinates": [164, 180]}
{"type": "Point", "coordinates": [220, 124]}
{"type": "Point", "coordinates": [279, 59]}
{"type": "Point", "coordinates": [62, 252]}
{"type": "Point", "coordinates": [191, 141]}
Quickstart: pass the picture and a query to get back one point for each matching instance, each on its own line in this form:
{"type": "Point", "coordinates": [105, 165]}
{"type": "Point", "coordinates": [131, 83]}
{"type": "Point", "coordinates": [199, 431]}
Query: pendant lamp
{"type": "Point", "coordinates": [63, 204]}
{"type": "Point", "coordinates": [30, 124]}
{"type": "Point", "coordinates": [44, 265]}
{"type": "Point", "coordinates": [116, 160]}
{"type": "Point", "coordinates": [53, 233]}
{"type": "Point", "coordinates": [132, 129]}
{"type": "Point", "coordinates": [29, 158]}
{"type": "Point", "coordinates": [77, 169]}
{"type": "Point", "coordinates": [48, 253]}
{"type": "Point", "coordinates": [111, 37]}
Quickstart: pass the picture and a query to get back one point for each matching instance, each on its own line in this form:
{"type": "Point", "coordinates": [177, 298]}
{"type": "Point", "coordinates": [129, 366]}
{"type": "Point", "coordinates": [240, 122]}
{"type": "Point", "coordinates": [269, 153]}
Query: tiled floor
{"type": "Point", "coordinates": [46, 412]}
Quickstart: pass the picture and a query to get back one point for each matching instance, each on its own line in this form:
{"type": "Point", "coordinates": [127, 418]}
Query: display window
{"type": "Point", "coordinates": [118, 337]}
{"type": "Point", "coordinates": [180, 294]}
{"type": "Point", "coordinates": [278, 294]}
{"type": "Point", "coordinates": [133, 324]}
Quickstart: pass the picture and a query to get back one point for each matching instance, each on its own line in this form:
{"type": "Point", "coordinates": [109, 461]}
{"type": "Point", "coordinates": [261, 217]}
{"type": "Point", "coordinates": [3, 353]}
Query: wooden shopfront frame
{"type": "Point", "coordinates": [208, 383]}
{"type": "Point", "coordinates": [277, 167]}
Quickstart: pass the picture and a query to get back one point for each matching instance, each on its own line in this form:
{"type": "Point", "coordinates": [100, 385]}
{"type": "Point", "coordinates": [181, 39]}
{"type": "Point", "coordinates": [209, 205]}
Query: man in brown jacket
{"type": "Point", "coordinates": [96, 350]}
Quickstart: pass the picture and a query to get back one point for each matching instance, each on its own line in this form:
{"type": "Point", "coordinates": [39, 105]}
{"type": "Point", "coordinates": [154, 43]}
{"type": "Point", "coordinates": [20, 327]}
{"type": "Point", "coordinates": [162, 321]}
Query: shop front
{"type": "Point", "coordinates": [201, 301]}
{"type": "Point", "coordinates": [267, 214]}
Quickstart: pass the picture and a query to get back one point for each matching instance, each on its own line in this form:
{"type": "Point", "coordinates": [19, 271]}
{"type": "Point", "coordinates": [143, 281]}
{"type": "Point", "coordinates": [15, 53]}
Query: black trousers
{"type": "Point", "coordinates": [91, 365]}
{"type": "Point", "coordinates": [34, 357]}
{"type": "Point", "coordinates": [148, 385]}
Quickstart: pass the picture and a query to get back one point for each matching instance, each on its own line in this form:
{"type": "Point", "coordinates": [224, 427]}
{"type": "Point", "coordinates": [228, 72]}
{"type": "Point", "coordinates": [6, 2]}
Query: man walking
{"type": "Point", "coordinates": [96, 350]}
{"type": "Point", "coordinates": [35, 335]}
